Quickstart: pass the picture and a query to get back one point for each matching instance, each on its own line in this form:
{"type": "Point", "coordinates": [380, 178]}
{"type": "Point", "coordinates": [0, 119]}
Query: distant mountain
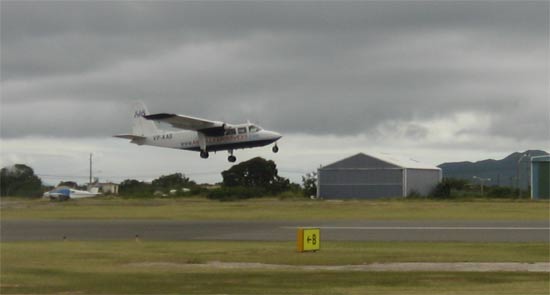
{"type": "Point", "coordinates": [501, 172]}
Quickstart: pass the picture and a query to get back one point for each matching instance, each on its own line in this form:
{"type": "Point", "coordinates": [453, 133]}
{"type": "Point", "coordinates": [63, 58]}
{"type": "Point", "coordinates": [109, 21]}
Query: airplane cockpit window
{"type": "Point", "coordinates": [253, 128]}
{"type": "Point", "coordinates": [230, 131]}
{"type": "Point", "coordinates": [242, 130]}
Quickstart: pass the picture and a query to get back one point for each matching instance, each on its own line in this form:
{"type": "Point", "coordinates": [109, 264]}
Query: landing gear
{"type": "Point", "coordinates": [275, 149]}
{"type": "Point", "coordinates": [231, 158]}
{"type": "Point", "coordinates": [204, 154]}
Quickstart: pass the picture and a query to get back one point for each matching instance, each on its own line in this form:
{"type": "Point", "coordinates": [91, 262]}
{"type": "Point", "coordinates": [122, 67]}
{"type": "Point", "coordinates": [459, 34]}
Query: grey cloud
{"type": "Point", "coordinates": [59, 118]}
{"type": "Point", "coordinates": [318, 68]}
{"type": "Point", "coordinates": [63, 37]}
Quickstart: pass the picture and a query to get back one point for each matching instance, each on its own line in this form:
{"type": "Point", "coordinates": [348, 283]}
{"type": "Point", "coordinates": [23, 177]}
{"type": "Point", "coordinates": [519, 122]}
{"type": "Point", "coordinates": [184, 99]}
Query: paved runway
{"type": "Point", "coordinates": [466, 231]}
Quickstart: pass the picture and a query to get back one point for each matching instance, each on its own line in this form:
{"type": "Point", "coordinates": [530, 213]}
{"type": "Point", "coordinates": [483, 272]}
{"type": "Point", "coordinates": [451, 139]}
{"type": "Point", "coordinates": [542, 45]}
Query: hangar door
{"type": "Point", "coordinates": [360, 183]}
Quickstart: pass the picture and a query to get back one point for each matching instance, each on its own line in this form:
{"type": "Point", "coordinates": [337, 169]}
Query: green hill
{"type": "Point", "coordinates": [501, 172]}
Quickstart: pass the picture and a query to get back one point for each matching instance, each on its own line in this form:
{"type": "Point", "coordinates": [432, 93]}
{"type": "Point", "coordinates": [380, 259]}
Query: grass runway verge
{"type": "Point", "coordinates": [125, 267]}
{"type": "Point", "coordinates": [196, 208]}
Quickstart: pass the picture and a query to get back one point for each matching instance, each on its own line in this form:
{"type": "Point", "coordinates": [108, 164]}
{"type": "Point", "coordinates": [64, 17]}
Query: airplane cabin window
{"type": "Point", "coordinates": [242, 130]}
{"type": "Point", "coordinates": [253, 128]}
{"type": "Point", "coordinates": [230, 132]}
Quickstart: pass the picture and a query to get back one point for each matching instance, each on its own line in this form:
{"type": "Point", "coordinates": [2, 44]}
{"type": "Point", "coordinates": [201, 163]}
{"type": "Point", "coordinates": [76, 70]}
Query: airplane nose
{"type": "Point", "coordinates": [277, 135]}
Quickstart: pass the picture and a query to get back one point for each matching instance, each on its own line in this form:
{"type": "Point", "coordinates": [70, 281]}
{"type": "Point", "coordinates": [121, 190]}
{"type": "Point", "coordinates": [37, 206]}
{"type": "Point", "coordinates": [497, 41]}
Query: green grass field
{"type": "Point", "coordinates": [126, 267]}
{"type": "Point", "coordinates": [145, 267]}
{"type": "Point", "coordinates": [273, 209]}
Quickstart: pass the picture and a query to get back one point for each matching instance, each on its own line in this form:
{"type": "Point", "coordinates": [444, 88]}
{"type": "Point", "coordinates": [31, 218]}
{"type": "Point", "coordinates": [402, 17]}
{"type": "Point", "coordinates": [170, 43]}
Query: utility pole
{"type": "Point", "coordinates": [90, 169]}
{"type": "Point", "coordinates": [482, 182]}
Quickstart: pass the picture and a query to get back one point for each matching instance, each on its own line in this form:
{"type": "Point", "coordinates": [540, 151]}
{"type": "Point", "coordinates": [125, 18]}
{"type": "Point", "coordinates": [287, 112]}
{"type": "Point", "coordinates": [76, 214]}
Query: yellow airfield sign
{"type": "Point", "coordinates": [308, 239]}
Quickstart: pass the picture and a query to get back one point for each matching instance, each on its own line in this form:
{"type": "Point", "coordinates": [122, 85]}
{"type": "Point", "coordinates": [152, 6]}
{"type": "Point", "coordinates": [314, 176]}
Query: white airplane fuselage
{"type": "Point", "coordinates": [64, 193]}
{"type": "Point", "coordinates": [191, 140]}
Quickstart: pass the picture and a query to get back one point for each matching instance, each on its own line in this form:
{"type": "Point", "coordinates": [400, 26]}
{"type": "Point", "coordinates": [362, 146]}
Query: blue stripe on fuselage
{"type": "Point", "coordinates": [233, 145]}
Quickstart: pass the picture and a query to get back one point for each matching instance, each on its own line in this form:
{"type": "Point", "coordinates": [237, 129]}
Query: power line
{"type": "Point", "coordinates": [125, 176]}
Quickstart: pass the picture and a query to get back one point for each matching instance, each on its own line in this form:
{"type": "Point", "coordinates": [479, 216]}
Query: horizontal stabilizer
{"type": "Point", "coordinates": [139, 140]}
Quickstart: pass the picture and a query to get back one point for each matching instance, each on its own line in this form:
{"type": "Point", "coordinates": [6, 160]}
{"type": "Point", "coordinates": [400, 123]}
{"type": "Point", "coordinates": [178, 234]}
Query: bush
{"type": "Point", "coordinates": [135, 188]}
{"type": "Point", "coordinates": [441, 191]}
{"type": "Point", "coordinates": [198, 191]}
{"type": "Point", "coordinates": [173, 181]}
{"type": "Point", "coordinates": [233, 193]}
{"type": "Point", "coordinates": [444, 188]}
{"type": "Point", "coordinates": [501, 192]}
{"type": "Point", "coordinates": [451, 188]}
{"type": "Point", "coordinates": [415, 195]}
{"type": "Point", "coordinates": [292, 194]}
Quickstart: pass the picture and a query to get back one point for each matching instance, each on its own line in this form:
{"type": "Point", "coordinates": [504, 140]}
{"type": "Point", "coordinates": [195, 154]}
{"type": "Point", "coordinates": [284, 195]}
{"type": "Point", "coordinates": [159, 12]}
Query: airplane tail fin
{"type": "Point", "coordinates": [142, 126]}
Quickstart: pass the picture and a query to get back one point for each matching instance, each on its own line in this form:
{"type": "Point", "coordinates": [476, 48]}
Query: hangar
{"type": "Point", "coordinates": [365, 176]}
{"type": "Point", "coordinates": [540, 177]}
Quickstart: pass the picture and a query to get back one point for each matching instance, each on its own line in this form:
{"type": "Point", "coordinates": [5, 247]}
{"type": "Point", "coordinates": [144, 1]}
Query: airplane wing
{"type": "Point", "coordinates": [184, 122]}
{"type": "Point", "coordinates": [129, 136]}
{"type": "Point", "coordinates": [211, 128]}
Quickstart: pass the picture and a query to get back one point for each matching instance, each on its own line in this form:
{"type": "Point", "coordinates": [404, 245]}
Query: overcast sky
{"type": "Point", "coordinates": [436, 81]}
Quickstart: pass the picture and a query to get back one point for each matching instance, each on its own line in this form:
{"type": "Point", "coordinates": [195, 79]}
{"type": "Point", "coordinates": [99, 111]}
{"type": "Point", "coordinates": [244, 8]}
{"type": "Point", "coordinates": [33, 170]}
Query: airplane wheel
{"type": "Point", "coordinates": [275, 149]}
{"type": "Point", "coordinates": [204, 154]}
{"type": "Point", "coordinates": [232, 159]}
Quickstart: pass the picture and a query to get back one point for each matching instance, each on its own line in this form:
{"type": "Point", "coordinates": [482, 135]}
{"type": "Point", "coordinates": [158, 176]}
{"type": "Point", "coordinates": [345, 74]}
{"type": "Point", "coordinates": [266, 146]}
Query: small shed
{"type": "Point", "coordinates": [105, 187]}
{"type": "Point", "coordinates": [365, 176]}
{"type": "Point", "coordinates": [540, 177]}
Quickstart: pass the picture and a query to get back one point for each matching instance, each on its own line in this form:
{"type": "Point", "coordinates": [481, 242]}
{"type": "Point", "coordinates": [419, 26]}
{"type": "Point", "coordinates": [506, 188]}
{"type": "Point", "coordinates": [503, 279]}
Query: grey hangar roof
{"type": "Point", "coordinates": [362, 160]}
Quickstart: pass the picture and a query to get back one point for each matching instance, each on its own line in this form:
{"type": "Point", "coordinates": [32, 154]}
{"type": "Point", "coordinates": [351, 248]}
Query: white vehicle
{"type": "Point", "coordinates": [201, 135]}
{"type": "Point", "coordinates": [65, 193]}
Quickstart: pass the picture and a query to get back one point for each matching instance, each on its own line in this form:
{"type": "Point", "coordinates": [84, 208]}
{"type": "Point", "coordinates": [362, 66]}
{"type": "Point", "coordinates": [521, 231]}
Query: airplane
{"type": "Point", "coordinates": [64, 193]}
{"type": "Point", "coordinates": [200, 135]}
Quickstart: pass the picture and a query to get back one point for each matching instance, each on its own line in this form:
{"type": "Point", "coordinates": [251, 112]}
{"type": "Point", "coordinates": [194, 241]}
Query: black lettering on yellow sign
{"type": "Point", "coordinates": [312, 239]}
{"type": "Point", "coordinates": [308, 239]}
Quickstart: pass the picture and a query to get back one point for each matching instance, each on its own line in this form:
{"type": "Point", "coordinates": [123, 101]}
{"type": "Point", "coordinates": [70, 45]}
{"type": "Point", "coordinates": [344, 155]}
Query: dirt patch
{"type": "Point", "coordinates": [405, 266]}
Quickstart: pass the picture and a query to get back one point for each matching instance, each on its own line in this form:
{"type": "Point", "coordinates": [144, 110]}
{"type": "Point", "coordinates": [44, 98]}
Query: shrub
{"type": "Point", "coordinates": [415, 195]}
{"type": "Point", "coordinates": [135, 188]}
{"type": "Point", "coordinates": [441, 191]}
{"type": "Point", "coordinates": [235, 193]}
{"type": "Point", "coordinates": [291, 194]}
{"type": "Point", "coordinates": [501, 192]}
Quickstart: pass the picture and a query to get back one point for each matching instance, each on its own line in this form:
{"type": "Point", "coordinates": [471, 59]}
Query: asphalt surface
{"type": "Point", "coordinates": [465, 231]}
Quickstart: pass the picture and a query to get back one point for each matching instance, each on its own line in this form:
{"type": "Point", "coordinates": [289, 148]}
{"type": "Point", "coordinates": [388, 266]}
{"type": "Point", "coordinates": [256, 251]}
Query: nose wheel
{"type": "Point", "coordinates": [204, 154]}
{"type": "Point", "coordinates": [275, 149]}
{"type": "Point", "coordinates": [231, 158]}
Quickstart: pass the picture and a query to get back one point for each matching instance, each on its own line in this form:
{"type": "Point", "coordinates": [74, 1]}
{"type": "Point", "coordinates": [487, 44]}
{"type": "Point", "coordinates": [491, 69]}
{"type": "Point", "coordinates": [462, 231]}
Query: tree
{"type": "Point", "coordinates": [256, 173]}
{"type": "Point", "coordinates": [173, 181]}
{"type": "Point", "coordinates": [132, 187]}
{"type": "Point", "coordinates": [69, 183]}
{"type": "Point", "coordinates": [309, 182]}
{"type": "Point", "coordinates": [19, 180]}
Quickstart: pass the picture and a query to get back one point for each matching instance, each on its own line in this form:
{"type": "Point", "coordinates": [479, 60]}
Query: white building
{"type": "Point", "coordinates": [105, 187]}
